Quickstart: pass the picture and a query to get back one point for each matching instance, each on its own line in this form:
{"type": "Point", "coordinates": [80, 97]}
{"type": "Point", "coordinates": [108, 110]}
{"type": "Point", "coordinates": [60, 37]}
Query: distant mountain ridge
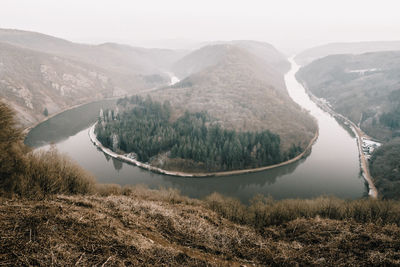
{"type": "Point", "coordinates": [321, 51]}
{"type": "Point", "coordinates": [112, 56]}
{"type": "Point", "coordinates": [204, 57]}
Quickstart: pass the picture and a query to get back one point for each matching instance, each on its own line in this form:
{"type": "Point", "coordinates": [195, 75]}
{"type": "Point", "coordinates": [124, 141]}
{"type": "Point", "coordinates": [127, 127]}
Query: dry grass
{"type": "Point", "coordinates": [45, 173]}
{"type": "Point", "coordinates": [35, 174]}
{"type": "Point", "coordinates": [264, 212]}
{"type": "Point", "coordinates": [161, 227]}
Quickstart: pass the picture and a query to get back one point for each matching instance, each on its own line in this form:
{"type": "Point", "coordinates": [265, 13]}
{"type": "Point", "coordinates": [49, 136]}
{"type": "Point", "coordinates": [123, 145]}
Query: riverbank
{"type": "Point", "coordinates": [124, 158]}
{"type": "Point", "coordinates": [373, 192]}
{"type": "Point", "coordinates": [26, 130]}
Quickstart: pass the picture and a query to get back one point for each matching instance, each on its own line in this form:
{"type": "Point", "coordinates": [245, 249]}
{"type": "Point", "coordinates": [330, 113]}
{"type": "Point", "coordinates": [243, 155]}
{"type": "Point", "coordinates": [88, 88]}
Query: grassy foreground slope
{"type": "Point", "coordinates": [53, 213]}
{"type": "Point", "coordinates": [146, 227]}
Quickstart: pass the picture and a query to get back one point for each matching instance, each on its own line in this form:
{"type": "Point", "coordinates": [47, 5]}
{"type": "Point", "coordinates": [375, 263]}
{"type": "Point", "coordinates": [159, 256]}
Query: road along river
{"type": "Point", "coordinates": [332, 168]}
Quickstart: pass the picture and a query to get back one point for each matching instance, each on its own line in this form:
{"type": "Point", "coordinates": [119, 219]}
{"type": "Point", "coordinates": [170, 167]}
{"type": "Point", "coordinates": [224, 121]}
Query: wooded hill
{"type": "Point", "coordinates": [241, 90]}
{"type": "Point", "coordinates": [365, 88]}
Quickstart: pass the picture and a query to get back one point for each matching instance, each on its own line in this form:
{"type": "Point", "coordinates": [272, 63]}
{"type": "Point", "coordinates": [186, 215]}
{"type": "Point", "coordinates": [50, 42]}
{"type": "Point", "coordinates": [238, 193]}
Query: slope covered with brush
{"type": "Point", "coordinates": [41, 74]}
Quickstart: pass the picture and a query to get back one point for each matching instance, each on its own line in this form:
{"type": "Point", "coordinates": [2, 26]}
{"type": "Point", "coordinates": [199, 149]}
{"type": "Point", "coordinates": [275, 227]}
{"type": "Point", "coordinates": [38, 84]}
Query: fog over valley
{"type": "Point", "coordinates": [291, 26]}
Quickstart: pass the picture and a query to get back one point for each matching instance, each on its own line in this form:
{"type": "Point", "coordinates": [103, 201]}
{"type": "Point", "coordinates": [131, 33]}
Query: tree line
{"type": "Point", "coordinates": [146, 129]}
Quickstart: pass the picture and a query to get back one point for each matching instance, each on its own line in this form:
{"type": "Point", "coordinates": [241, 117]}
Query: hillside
{"type": "Point", "coordinates": [314, 53]}
{"type": "Point", "coordinates": [152, 228]}
{"type": "Point", "coordinates": [384, 166]}
{"type": "Point", "coordinates": [241, 90]}
{"type": "Point", "coordinates": [114, 57]}
{"type": "Point", "coordinates": [41, 72]}
{"type": "Point", "coordinates": [213, 53]}
{"type": "Point", "coordinates": [365, 88]}
{"type": "Point", "coordinates": [32, 81]}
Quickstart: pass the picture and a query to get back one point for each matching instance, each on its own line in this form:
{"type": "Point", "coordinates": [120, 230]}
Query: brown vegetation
{"type": "Point", "coordinates": [35, 174]}
{"type": "Point", "coordinates": [40, 71]}
{"type": "Point", "coordinates": [160, 227]}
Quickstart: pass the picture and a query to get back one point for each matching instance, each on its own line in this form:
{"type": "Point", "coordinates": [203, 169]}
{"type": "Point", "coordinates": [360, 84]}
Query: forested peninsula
{"type": "Point", "coordinates": [145, 130]}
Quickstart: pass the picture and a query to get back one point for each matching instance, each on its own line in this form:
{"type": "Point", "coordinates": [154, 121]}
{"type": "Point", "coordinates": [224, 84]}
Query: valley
{"type": "Point", "coordinates": [334, 173]}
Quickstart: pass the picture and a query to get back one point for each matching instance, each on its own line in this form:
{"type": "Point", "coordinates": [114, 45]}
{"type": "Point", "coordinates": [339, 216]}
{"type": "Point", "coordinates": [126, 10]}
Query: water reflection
{"type": "Point", "coordinates": [117, 164]}
{"type": "Point", "coordinates": [243, 186]}
{"type": "Point", "coordinates": [66, 124]}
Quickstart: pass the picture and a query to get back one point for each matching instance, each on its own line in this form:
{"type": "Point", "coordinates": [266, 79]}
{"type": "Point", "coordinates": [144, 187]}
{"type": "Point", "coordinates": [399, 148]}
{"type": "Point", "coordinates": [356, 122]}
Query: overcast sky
{"type": "Point", "coordinates": [289, 25]}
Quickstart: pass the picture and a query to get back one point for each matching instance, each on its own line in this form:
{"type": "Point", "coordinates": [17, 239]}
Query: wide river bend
{"type": "Point", "coordinates": [332, 168]}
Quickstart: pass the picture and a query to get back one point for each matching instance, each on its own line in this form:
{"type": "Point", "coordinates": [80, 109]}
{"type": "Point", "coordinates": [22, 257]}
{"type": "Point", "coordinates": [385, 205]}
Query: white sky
{"type": "Point", "coordinates": [289, 25]}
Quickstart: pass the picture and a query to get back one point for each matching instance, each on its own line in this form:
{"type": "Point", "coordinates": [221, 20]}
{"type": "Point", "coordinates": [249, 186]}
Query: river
{"type": "Point", "coordinates": [332, 168]}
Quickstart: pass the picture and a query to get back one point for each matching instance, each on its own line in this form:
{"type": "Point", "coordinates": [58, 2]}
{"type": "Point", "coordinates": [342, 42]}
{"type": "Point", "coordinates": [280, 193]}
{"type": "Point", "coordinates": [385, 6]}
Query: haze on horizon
{"type": "Point", "coordinates": [289, 25]}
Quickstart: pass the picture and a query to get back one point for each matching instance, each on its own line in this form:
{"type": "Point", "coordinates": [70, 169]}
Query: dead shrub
{"type": "Point", "coordinates": [49, 172]}
{"type": "Point", "coordinates": [108, 189]}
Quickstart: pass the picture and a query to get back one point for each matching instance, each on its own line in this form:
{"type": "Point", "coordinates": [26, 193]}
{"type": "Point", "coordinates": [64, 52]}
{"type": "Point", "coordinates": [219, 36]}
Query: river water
{"type": "Point", "coordinates": [332, 168]}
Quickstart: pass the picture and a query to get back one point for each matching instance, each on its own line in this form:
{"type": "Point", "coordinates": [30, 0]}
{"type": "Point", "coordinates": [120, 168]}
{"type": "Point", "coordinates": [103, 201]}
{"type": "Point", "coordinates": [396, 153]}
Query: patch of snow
{"type": "Point", "coordinates": [119, 92]}
{"type": "Point", "coordinates": [102, 78]}
{"type": "Point", "coordinates": [26, 95]}
{"type": "Point", "coordinates": [173, 78]}
{"type": "Point", "coordinates": [363, 71]}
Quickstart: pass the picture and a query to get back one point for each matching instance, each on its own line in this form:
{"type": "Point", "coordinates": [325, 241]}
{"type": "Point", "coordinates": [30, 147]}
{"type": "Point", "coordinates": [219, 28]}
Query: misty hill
{"type": "Point", "coordinates": [314, 53]}
{"type": "Point", "coordinates": [43, 72]}
{"type": "Point", "coordinates": [217, 51]}
{"type": "Point", "coordinates": [365, 88]}
{"type": "Point", "coordinates": [241, 90]}
{"type": "Point", "coordinates": [32, 81]}
{"type": "Point", "coordinates": [111, 56]}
